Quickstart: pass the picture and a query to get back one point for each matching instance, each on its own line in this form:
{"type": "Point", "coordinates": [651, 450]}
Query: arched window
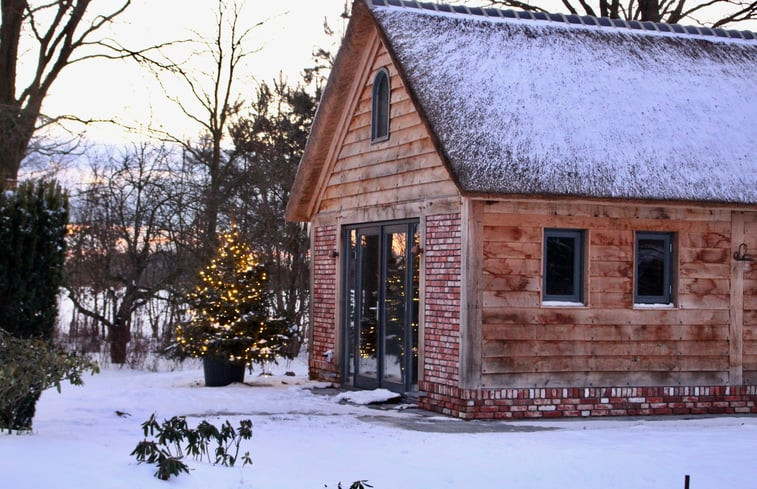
{"type": "Point", "coordinates": [380, 113]}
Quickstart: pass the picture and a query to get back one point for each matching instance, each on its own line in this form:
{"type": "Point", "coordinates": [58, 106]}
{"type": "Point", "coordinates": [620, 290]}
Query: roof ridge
{"type": "Point", "coordinates": [586, 20]}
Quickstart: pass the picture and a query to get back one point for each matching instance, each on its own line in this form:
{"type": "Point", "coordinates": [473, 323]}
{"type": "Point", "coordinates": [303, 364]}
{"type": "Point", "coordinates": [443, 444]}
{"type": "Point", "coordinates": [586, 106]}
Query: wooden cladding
{"type": "Point", "coordinates": [400, 168]}
{"type": "Point", "coordinates": [610, 340]}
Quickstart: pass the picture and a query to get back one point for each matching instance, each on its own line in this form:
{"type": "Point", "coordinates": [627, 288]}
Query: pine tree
{"type": "Point", "coordinates": [229, 309]}
{"type": "Point", "coordinates": [269, 143]}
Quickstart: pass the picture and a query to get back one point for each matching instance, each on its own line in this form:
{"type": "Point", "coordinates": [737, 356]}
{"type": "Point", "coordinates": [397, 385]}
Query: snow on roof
{"type": "Point", "coordinates": [540, 107]}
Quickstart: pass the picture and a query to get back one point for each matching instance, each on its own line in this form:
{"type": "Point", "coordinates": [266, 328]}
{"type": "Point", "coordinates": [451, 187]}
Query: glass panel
{"type": "Point", "coordinates": [381, 307]}
{"type": "Point", "coordinates": [650, 267]}
{"type": "Point", "coordinates": [414, 311]}
{"type": "Point", "coordinates": [352, 311]}
{"type": "Point", "coordinates": [380, 121]}
{"type": "Point", "coordinates": [368, 306]}
{"type": "Point", "coordinates": [560, 266]}
{"type": "Point", "coordinates": [395, 293]}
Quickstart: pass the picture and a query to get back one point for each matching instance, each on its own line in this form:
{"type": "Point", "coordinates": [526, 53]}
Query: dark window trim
{"type": "Point", "coordinates": [578, 265]}
{"type": "Point", "coordinates": [669, 242]}
{"type": "Point", "coordinates": [380, 118]}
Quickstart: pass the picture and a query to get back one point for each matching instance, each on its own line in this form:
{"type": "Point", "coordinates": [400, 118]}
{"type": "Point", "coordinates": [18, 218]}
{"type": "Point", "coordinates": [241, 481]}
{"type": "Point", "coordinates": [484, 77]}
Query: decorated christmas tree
{"type": "Point", "coordinates": [229, 313]}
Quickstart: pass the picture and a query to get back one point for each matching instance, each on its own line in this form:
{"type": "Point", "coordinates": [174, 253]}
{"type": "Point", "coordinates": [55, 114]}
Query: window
{"type": "Point", "coordinates": [380, 108]}
{"type": "Point", "coordinates": [563, 265]}
{"type": "Point", "coordinates": [653, 271]}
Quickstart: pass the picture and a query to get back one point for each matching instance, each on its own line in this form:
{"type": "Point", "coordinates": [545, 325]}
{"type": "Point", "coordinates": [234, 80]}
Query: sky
{"type": "Point", "coordinates": [102, 89]}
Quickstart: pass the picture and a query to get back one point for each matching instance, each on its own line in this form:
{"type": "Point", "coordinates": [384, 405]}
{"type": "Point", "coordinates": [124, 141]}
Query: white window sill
{"type": "Point", "coordinates": [654, 306]}
{"type": "Point", "coordinates": [562, 304]}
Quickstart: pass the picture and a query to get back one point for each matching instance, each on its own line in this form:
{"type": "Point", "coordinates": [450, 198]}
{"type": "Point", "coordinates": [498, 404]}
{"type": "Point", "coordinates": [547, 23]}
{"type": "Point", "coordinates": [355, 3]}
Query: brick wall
{"type": "Point", "coordinates": [324, 304]}
{"type": "Point", "coordinates": [591, 401]}
{"type": "Point", "coordinates": [441, 335]}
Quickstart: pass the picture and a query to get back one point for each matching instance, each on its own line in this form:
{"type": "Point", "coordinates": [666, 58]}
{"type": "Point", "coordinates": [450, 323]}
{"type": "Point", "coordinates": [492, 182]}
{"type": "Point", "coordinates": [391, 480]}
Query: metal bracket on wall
{"type": "Point", "coordinates": [741, 254]}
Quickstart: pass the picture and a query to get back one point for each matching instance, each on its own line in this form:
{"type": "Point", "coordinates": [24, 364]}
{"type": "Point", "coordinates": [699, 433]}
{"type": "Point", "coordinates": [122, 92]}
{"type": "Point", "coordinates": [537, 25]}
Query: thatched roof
{"type": "Point", "coordinates": [556, 107]}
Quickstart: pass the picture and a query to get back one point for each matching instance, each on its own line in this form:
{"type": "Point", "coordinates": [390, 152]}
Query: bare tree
{"type": "Point", "coordinates": [211, 100]}
{"type": "Point", "coordinates": [120, 251]}
{"type": "Point", "coordinates": [324, 57]}
{"type": "Point", "coordinates": [713, 13]}
{"type": "Point", "coordinates": [51, 34]}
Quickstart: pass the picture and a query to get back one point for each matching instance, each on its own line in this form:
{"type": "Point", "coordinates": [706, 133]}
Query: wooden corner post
{"type": "Point", "coordinates": [470, 293]}
{"type": "Point", "coordinates": [736, 328]}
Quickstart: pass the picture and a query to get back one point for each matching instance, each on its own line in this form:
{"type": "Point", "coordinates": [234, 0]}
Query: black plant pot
{"type": "Point", "coordinates": [219, 373]}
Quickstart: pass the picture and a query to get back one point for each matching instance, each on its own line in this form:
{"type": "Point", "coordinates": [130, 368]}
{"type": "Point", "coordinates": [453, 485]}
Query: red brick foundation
{"type": "Point", "coordinates": [589, 401]}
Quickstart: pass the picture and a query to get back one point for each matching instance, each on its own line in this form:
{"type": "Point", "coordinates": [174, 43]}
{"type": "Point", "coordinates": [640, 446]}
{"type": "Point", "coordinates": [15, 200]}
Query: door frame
{"type": "Point", "coordinates": [349, 368]}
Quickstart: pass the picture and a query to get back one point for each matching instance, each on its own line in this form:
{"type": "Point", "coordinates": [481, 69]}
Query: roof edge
{"type": "Point", "coordinates": [322, 131]}
{"type": "Point", "coordinates": [572, 19]}
{"type": "Point", "coordinates": [546, 197]}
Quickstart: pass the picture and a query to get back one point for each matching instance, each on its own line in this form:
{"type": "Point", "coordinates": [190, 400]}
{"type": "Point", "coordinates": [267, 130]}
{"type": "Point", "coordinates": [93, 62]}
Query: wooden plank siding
{"type": "Point", "coordinates": [608, 340]}
{"type": "Point", "coordinates": [749, 270]}
{"type": "Point", "coordinates": [404, 168]}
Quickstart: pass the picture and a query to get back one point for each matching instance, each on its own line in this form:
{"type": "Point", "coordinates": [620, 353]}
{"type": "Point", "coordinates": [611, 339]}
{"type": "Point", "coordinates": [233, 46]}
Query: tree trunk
{"type": "Point", "coordinates": [120, 335]}
{"type": "Point", "coordinates": [650, 10]}
{"type": "Point", "coordinates": [15, 133]}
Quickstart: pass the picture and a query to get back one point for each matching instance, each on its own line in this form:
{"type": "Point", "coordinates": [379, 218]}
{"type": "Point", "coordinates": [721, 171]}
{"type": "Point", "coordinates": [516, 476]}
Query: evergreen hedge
{"type": "Point", "coordinates": [33, 221]}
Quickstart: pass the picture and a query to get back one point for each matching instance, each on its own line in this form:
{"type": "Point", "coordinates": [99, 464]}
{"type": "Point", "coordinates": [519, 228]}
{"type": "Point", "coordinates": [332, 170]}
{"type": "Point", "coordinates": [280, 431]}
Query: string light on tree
{"type": "Point", "coordinates": [229, 309]}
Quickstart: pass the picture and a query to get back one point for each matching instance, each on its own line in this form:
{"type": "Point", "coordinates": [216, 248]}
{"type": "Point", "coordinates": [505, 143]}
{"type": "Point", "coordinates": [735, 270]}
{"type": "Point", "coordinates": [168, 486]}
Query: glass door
{"type": "Point", "coordinates": [367, 302]}
{"type": "Point", "coordinates": [381, 306]}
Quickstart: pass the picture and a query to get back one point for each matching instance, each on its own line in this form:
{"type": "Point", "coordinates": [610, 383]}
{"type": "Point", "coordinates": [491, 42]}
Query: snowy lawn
{"type": "Point", "coordinates": [303, 439]}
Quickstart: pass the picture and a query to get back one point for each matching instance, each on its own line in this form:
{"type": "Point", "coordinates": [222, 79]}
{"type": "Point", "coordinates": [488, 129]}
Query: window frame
{"type": "Point", "coordinates": [667, 298]}
{"type": "Point", "coordinates": [380, 118]}
{"type": "Point", "coordinates": [579, 266]}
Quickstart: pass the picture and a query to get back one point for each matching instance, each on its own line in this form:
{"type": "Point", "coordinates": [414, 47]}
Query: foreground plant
{"type": "Point", "coordinates": [165, 451]}
{"type": "Point", "coordinates": [360, 484]}
{"type": "Point", "coordinates": [28, 367]}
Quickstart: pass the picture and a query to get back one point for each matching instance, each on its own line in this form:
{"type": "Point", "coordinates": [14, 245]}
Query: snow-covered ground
{"type": "Point", "coordinates": [303, 439]}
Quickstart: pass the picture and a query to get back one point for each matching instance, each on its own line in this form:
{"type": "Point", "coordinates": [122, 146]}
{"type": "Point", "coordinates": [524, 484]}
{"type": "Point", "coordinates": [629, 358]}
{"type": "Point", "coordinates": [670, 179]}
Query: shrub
{"type": "Point", "coordinates": [28, 367]}
{"type": "Point", "coordinates": [360, 484]}
{"type": "Point", "coordinates": [33, 222]}
{"type": "Point", "coordinates": [165, 450]}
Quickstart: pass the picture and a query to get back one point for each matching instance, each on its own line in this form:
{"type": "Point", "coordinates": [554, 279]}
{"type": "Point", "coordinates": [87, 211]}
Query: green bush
{"type": "Point", "coordinates": [28, 367]}
{"type": "Point", "coordinates": [165, 449]}
{"type": "Point", "coordinates": [33, 221]}
{"type": "Point", "coordinates": [361, 484]}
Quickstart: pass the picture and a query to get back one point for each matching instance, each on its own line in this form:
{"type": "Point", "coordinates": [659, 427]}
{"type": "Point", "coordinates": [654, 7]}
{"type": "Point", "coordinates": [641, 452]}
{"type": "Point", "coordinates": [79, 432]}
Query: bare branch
{"type": "Point", "coordinates": [518, 4]}
{"type": "Point", "coordinates": [747, 13]}
{"type": "Point", "coordinates": [81, 308]}
{"type": "Point", "coordinates": [58, 29]}
{"type": "Point", "coordinates": [671, 11]}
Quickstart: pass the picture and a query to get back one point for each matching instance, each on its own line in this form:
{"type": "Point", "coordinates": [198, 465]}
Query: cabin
{"type": "Point", "coordinates": [522, 215]}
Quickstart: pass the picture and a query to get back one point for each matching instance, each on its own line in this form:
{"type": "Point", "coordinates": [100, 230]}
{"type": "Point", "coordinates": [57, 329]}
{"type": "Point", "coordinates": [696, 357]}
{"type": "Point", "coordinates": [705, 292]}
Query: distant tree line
{"type": "Point", "coordinates": [138, 229]}
{"type": "Point", "coordinates": [148, 217]}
